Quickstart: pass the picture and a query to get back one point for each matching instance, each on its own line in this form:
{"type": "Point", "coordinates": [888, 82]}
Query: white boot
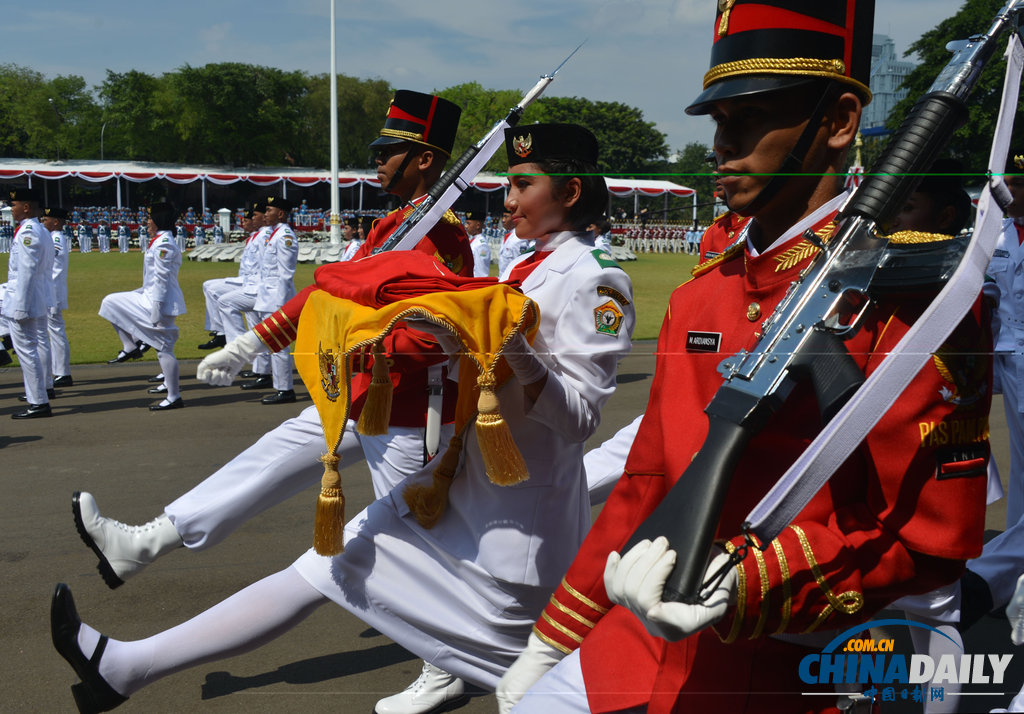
{"type": "Point", "coordinates": [123, 550]}
{"type": "Point", "coordinates": [431, 689]}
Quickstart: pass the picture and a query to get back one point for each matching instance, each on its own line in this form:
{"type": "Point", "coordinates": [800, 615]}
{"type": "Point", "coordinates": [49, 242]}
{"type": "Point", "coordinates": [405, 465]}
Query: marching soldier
{"type": "Point", "coordinates": [479, 244]}
{"type": "Point", "coordinates": [54, 220]}
{"type": "Point", "coordinates": [25, 299]}
{"type": "Point", "coordinates": [901, 516]}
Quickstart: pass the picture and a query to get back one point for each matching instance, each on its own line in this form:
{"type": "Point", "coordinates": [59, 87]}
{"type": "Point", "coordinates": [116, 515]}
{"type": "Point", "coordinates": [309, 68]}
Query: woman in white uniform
{"type": "Point", "coordinates": [146, 315]}
{"type": "Point", "coordinates": [464, 594]}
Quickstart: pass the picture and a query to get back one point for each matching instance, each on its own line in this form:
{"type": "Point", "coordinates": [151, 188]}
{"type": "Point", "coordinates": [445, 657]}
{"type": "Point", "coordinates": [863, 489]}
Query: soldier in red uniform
{"type": "Point", "coordinates": [902, 514]}
{"type": "Point", "coordinates": [412, 149]}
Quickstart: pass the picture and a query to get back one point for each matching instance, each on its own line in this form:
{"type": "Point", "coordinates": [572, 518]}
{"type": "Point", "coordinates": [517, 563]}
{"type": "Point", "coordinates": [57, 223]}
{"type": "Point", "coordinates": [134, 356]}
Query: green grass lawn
{"type": "Point", "coordinates": [93, 275]}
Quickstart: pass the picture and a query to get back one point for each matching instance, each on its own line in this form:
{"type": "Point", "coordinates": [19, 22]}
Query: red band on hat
{"type": "Point", "coordinates": [398, 113]}
{"type": "Point", "coordinates": [430, 118]}
{"type": "Point", "coordinates": [769, 17]}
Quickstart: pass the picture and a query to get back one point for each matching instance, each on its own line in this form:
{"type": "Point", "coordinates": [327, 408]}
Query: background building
{"type": "Point", "coordinates": [887, 74]}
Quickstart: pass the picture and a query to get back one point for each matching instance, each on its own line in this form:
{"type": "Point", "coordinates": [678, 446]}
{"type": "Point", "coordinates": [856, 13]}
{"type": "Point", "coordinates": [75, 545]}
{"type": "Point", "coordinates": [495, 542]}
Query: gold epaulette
{"type": "Point", "coordinates": [909, 237]}
{"type": "Point", "coordinates": [730, 253]}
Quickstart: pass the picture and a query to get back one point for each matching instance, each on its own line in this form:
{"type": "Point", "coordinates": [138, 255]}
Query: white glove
{"type": "Point", "coordinates": [636, 580]}
{"type": "Point", "coordinates": [221, 367]}
{"type": "Point", "coordinates": [53, 311]}
{"type": "Point", "coordinates": [1015, 613]}
{"type": "Point", "coordinates": [155, 312]}
{"type": "Point", "coordinates": [17, 315]}
{"type": "Point", "coordinates": [523, 360]}
{"type": "Point", "coordinates": [449, 342]}
{"type": "Point", "coordinates": [531, 665]}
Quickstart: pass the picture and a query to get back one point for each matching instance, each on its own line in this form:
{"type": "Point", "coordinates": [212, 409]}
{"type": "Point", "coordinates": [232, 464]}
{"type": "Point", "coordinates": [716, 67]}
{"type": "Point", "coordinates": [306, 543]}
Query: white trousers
{"type": "Point", "coordinates": [1009, 371]}
{"type": "Point", "coordinates": [212, 291]}
{"type": "Point", "coordinates": [32, 344]}
{"type": "Point", "coordinates": [281, 364]}
{"type": "Point", "coordinates": [282, 463]}
{"type": "Point", "coordinates": [60, 348]}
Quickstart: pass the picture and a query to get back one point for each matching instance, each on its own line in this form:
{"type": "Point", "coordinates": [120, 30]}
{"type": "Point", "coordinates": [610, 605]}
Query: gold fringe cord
{"type": "Point", "coordinates": [373, 421]}
{"type": "Point", "coordinates": [502, 458]}
{"type": "Point", "coordinates": [427, 503]}
{"type": "Point", "coordinates": [330, 510]}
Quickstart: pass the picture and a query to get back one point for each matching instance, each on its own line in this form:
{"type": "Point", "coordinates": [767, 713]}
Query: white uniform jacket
{"type": "Point", "coordinates": [277, 272]}
{"type": "Point", "coordinates": [28, 291]}
{"type": "Point", "coordinates": [61, 259]}
{"type": "Point", "coordinates": [481, 248]}
{"type": "Point", "coordinates": [250, 264]}
{"type": "Point", "coordinates": [160, 274]}
{"type": "Point", "coordinates": [1006, 270]}
{"type": "Point", "coordinates": [530, 532]}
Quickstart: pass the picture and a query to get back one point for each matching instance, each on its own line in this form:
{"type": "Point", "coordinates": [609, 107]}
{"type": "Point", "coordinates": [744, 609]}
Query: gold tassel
{"type": "Point", "coordinates": [330, 510]}
{"type": "Point", "coordinates": [373, 421]}
{"type": "Point", "coordinates": [427, 503]}
{"type": "Point", "coordinates": [502, 460]}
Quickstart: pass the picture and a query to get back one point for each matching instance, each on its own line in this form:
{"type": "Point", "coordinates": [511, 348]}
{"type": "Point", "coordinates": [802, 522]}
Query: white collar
{"type": "Point", "coordinates": [798, 229]}
{"type": "Point", "coordinates": [553, 240]}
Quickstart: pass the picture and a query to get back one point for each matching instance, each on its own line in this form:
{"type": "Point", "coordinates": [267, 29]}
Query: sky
{"type": "Point", "coordinates": [650, 54]}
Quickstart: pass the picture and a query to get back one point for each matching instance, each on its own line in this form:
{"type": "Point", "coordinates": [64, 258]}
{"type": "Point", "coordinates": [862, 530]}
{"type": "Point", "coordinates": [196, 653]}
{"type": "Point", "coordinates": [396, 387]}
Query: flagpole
{"type": "Point", "coordinates": [335, 218]}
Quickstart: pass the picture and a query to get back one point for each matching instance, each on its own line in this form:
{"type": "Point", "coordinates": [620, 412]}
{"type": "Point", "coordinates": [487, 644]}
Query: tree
{"type": "Point", "coordinates": [135, 131]}
{"type": "Point", "coordinates": [971, 143]}
{"type": "Point", "coordinates": [27, 123]}
{"type": "Point", "coordinates": [691, 169]}
{"type": "Point", "coordinates": [629, 145]}
{"type": "Point", "coordinates": [481, 109]}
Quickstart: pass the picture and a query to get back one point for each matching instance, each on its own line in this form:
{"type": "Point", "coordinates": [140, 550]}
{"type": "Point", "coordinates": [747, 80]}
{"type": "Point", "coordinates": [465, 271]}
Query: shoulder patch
{"type": "Point", "coordinates": [604, 259]}
{"type": "Point", "coordinates": [616, 295]}
{"type": "Point", "coordinates": [608, 318]}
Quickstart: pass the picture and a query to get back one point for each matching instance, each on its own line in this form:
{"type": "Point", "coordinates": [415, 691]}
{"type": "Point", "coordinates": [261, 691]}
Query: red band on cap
{"type": "Point", "coordinates": [430, 119]}
{"type": "Point", "coordinates": [398, 113]}
{"type": "Point", "coordinates": [746, 18]}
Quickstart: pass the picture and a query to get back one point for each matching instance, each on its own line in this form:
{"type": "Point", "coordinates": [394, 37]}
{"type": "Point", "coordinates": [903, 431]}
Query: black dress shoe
{"type": "Point", "coordinates": [123, 356]}
{"type": "Point", "coordinates": [92, 694]}
{"type": "Point", "coordinates": [7, 343]}
{"type": "Point", "coordinates": [141, 347]}
{"type": "Point", "coordinates": [263, 381]}
{"type": "Point", "coordinates": [50, 394]}
{"type": "Point", "coordinates": [5, 358]}
{"type": "Point", "coordinates": [63, 381]}
{"type": "Point", "coordinates": [248, 374]}
{"type": "Point", "coordinates": [285, 396]}
{"type": "Point", "coordinates": [34, 411]}
{"type": "Point", "coordinates": [162, 389]}
{"type": "Point", "coordinates": [160, 406]}
{"type": "Point", "coordinates": [159, 379]}
{"type": "Point", "coordinates": [214, 343]}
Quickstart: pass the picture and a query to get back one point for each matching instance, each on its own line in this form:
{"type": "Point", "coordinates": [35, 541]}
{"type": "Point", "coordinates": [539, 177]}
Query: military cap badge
{"type": "Point", "coordinates": [523, 145]}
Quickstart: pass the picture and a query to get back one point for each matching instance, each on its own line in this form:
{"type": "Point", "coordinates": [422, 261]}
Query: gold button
{"type": "Point", "coordinates": [753, 311]}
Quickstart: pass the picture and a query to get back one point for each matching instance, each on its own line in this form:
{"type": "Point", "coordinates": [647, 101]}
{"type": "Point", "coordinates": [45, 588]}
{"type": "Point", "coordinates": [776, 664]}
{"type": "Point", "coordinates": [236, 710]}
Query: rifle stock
{"type": "Point", "coordinates": [758, 383]}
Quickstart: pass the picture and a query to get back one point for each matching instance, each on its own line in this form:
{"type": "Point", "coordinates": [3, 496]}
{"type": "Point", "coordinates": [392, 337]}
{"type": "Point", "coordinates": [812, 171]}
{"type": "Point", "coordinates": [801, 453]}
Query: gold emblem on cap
{"type": "Point", "coordinates": [523, 145]}
{"type": "Point", "coordinates": [753, 311]}
{"type": "Point", "coordinates": [1018, 161]}
{"type": "Point", "coordinates": [724, 7]}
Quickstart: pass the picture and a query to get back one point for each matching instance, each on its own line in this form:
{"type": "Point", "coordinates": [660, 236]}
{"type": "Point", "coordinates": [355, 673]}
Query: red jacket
{"type": "Point", "coordinates": [409, 352]}
{"type": "Point", "coordinates": [901, 516]}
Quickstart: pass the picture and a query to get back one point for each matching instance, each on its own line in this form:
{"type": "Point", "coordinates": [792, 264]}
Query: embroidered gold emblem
{"type": "Point", "coordinates": [1018, 161]}
{"type": "Point", "coordinates": [797, 254]}
{"type": "Point", "coordinates": [330, 368]}
{"type": "Point", "coordinates": [965, 373]}
{"type": "Point", "coordinates": [724, 7]}
{"type": "Point", "coordinates": [523, 145]}
{"type": "Point", "coordinates": [753, 311]}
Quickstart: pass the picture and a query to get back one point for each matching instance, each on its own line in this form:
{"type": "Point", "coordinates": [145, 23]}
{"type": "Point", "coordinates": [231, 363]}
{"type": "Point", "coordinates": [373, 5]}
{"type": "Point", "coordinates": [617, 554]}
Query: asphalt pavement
{"type": "Point", "coordinates": [103, 439]}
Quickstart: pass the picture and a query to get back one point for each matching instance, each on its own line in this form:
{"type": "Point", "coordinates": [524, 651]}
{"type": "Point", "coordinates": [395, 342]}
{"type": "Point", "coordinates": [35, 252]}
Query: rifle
{"type": "Point", "coordinates": [803, 338]}
{"type": "Point", "coordinates": [455, 180]}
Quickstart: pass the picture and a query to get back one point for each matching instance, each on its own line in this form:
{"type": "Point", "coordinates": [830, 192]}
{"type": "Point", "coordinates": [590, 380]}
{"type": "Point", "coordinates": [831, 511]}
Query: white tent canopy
{"type": "Point", "coordinates": [138, 172]}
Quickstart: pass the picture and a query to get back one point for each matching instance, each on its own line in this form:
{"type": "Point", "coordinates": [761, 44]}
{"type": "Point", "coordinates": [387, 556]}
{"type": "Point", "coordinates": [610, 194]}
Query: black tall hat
{"type": "Point", "coordinates": [765, 45]}
{"type": "Point", "coordinates": [422, 119]}
{"type": "Point", "coordinates": [24, 194]}
{"type": "Point", "coordinates": [536, 142]}
{"type": "Point", "coordinates": [283, 203]}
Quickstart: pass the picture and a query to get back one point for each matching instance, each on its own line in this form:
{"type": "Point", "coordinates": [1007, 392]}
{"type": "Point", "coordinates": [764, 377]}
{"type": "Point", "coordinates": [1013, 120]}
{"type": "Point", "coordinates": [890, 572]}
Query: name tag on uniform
{"type": "Point", "coordinates": [703, 341]}
{"type": "Point", "coordinates": [1000, 253]}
